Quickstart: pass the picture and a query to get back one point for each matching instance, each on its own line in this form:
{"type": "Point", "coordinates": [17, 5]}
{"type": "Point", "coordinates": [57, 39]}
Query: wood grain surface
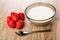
{"type": "Point", "coordinates": [6, 33]}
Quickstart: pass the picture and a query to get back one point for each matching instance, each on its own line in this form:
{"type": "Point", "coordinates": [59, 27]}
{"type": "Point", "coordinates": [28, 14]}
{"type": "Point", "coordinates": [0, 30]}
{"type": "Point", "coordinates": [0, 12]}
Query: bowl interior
{"type": "Point", "coordinates": [40, 4]}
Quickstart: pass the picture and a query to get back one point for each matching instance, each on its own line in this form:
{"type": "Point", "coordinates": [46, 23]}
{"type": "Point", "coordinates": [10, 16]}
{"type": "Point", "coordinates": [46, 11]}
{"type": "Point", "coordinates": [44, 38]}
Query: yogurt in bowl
{"type": "Point", "coordinates": [40, 13]}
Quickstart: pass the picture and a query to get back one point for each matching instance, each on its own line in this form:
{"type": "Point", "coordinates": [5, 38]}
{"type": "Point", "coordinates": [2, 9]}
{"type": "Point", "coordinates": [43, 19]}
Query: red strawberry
{"type": "Point", "coordinates": [21, 15]}
{"type": "Point", "coordinates": [17, 15]}
{"type": "Point", "coordinates": [8, 19]}
{"type": "Point", "coordinates": [13, 13]}
{"type": "Point", "coordinates": [11, 24]}
{"type": "Point", "coordinates": [19, 24]}
{"type": "Point", "coordinates": [14, 17]}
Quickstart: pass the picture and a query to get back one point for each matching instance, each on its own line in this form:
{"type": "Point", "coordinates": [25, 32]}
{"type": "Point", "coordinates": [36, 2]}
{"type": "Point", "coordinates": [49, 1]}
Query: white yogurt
{"type": "Point", "coordinates": [40, 13]}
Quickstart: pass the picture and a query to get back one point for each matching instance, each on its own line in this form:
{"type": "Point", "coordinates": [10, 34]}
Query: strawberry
{"type": "Point", "coordinates": [22, 16]}
{"type": "Point", "coordinates": [8, 19]}
{"type": "Point", "coordinates": [19, 24]}
{"type": "Point", "coordinates": [11, 24]}
{"type": "Point", "coordinates": [13, 13]}
{"type": "Point", "coordinates": [14, 17]}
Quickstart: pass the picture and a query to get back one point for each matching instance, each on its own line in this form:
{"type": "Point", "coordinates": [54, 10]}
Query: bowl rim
{"type": "Point", "coordinates": [43, 5]}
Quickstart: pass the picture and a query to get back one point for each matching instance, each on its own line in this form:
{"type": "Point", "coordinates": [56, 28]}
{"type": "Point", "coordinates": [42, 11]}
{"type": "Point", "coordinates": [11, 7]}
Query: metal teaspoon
{"type": "Point", "coordinates": [26, 33]}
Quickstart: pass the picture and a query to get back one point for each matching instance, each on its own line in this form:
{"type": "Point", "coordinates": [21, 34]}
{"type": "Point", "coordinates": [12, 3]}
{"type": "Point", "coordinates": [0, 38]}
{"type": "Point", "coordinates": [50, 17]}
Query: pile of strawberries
{"type": "Point", "coordinates": [16, 20]}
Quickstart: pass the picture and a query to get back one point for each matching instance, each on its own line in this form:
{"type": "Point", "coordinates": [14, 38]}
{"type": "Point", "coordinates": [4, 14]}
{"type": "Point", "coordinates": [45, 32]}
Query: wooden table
{"type": "Point", "coordinates": [7, 33]}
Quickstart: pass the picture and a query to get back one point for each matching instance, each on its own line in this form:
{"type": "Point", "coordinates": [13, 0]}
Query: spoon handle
{"type": "Point", "coordinates": [41, 31]}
